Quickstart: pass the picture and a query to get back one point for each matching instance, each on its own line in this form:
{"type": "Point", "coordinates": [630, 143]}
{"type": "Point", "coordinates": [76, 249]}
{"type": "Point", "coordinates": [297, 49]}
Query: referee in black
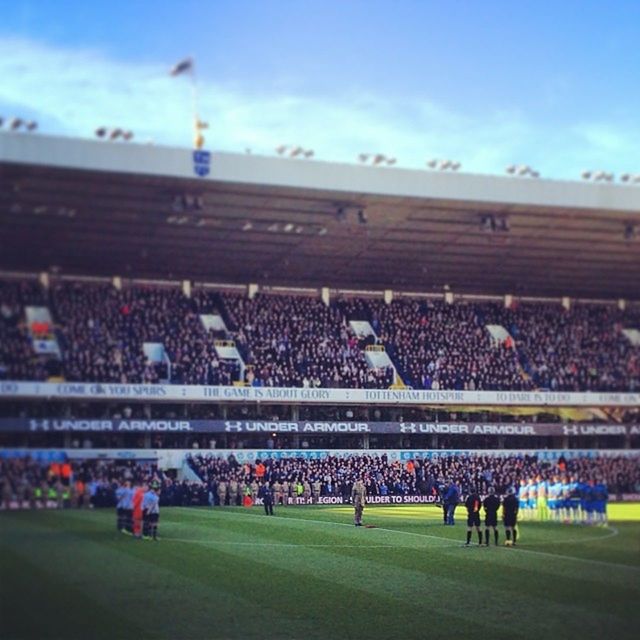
{"type": "Point", "coordinates": [510, 516]}
{"type": "Point", "coordinates": [473, 504]}
{"type": "Point", "coordinates": [491, 505]}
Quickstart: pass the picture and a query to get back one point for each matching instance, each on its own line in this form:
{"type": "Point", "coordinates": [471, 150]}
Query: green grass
{"type": "Point", "coordinates": [308, 573]}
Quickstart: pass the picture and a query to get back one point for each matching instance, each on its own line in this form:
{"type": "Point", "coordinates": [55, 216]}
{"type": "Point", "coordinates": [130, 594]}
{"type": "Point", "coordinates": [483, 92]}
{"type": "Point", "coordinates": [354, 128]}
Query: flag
{"type": "Point", "coordinates": [184, 66]}
{"type": "Point", "coordinates": [46, 347]}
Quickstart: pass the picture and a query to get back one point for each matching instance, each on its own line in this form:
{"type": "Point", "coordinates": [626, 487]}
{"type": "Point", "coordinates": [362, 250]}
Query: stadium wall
{"type": "Point", "coordinates": [319, 176]}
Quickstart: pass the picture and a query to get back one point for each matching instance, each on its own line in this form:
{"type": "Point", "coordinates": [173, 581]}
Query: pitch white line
{"type": "Point", "coordinates": [287, 544]}
{"type": "Point", "coordinates": [614, 565]}
{"type": "Point", "coordinates": [327, 522]}
{"type": "Point", "coordinates": [611, 534]}
{"type": "Point", "coordinates": [614, 532]}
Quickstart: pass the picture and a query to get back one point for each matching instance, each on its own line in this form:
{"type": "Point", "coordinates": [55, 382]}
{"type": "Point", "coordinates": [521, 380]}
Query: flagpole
{"type": "Point", "coordinates": [188, 66]}
{"type": "Point", "coordinates": [198, 138]}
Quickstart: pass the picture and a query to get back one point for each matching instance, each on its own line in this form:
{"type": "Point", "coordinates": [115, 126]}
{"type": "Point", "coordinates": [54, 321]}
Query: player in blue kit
{"type": "Point", "coordinates": [523, 498]}
{"type": "Point", "coordinates": [586, 501]}
{"type": "Point", "coordinates": [564, 504]}
{"type": "Point", "coordinates": [531, 499]}
{"type": "Point", "coordinates": [600, 498]}
{"type": "Point", "coordinates": [123, 506]}
{"type": "Point", "coordinates": [554, 499]}
{"type": "Point", "coordinates": [120, 492]}
{"type": "Point", "coordinates": [151, 513]}
{"type": "Point", "coordinates": [575, 500]}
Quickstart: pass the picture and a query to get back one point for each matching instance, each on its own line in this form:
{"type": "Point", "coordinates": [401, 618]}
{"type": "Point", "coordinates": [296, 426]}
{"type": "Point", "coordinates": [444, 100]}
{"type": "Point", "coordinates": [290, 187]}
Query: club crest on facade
{"type": "Point", "coordinates": [201, 162]}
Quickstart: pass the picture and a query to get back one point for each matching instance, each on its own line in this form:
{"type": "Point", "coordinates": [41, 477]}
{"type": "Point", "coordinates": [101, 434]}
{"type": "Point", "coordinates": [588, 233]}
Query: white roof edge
{"type": "Point", "coordinates": [335, 178]}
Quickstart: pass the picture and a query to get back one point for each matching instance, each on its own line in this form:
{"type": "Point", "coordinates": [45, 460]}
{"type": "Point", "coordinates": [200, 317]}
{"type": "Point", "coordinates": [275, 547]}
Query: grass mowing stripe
{"type": "Point", "coordinates": [282, 544]}
{"type": "Point", "coordinates": [402, 583]}
{"type": "Point", "coordinates": [241, 574]}
{"type": "Point", "coordinates": [613, 533]}
{"type": "Point", "coordinates": [33, 600]}
{"type": "Point", "coordinates": [129, 574]}
{"type": "Point", "coordinates": [357, 578]}
{"type": "Point", "coordinates": [263, 534]}
{"type": "Point", "coordinates": [274, 526]}
{"type": "Point", "coordinates": [505, 553]}
{"type": "Point", "coordinates": [223, 516]}
{"type": "Point", "coordinates": [293, 521]}
{"type": "Point", "coordinates": [306, 579]}
{"type": "Point", "coordinates": [594, 575]}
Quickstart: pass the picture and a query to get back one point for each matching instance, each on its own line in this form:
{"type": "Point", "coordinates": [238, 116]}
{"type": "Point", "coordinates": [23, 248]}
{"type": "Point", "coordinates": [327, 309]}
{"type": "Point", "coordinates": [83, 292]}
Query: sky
{"type": "Point", "coordinates": [555, 85]}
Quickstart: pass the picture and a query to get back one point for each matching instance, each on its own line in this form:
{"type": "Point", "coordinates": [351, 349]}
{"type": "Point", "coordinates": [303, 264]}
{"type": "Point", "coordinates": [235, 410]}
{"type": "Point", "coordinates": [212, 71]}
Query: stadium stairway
{"type": "Point", "coordinates": [226, 347]}
{"type": "Point", "coordinates": [504, 340]}
{"type": "Point", "coordinates": [230, 326]}
{"type": "Point", "coordinates": [375, 353]}
{"type": "Point", "coordinates": [365, 325]}
{"type": "Point", "coordinates": [39, 327]}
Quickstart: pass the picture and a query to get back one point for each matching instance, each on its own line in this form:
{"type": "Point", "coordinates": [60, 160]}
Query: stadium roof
{"type": "Point", "coordinates": [98, 208]}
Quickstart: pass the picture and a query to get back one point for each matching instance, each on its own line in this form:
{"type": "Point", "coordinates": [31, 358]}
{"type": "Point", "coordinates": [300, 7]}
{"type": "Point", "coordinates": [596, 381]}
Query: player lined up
{"type": "Point", "coordinates": [564, 499]}
{"type": "Point", "coordinates": [138, 510]}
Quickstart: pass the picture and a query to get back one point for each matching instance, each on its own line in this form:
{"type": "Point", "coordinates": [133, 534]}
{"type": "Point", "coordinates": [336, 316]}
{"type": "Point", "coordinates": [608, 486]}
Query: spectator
{"type": "Point", "coordinates": [296, 341]}
{"type": "Point", "coordinates": [383, 476]}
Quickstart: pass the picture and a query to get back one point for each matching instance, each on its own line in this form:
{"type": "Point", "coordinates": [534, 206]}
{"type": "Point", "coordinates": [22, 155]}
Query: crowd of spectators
{"type": "Point", "coordinates": [101, 330]}
{"type": "Point", "coordinates": [92, 483]}
{"type": "Point", "coordinates": [17, 357]}
{"type": "Point", "coordinates": [297, 341]}
{"type": "Point", "coordinates": [441, 346]}
{"type": "Point", "coordinates": [383, 476]}
{"type": "Point", "coordinates": [88, 483]}
{"type": "Point", "coordinates": [104, 330]}
{"type": "Point", "coordinates": [579, 349]}
{"type": "Point", "coordinates": [300, 342]}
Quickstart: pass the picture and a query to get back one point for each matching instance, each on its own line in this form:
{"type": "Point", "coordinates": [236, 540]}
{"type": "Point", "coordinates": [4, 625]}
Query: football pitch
{"type": "Point", "coordinates": [307, 572]}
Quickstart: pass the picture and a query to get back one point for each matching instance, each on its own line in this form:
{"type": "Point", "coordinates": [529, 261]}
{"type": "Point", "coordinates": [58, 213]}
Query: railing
{"type": "Point", "coordinates": [225, 343]}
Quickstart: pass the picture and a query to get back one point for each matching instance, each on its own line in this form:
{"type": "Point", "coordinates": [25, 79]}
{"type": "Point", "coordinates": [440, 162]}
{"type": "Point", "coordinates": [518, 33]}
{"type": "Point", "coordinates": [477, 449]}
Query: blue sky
{"type": "Point", "coordinates": [552, 84]}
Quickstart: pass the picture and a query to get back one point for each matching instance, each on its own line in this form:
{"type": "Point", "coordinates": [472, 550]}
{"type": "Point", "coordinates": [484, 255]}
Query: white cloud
{"type": "Point", "coordinates": [74, 91]}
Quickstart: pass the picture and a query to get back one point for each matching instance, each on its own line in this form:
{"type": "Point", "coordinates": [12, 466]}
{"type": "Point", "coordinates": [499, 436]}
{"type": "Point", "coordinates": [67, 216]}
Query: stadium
{"type": "Point", "coordinates": [233, 332]}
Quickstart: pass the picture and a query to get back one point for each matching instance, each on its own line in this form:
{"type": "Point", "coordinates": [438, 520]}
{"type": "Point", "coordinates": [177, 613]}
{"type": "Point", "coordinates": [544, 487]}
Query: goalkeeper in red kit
{"type": "Point", "coordinates": [138, 497]}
